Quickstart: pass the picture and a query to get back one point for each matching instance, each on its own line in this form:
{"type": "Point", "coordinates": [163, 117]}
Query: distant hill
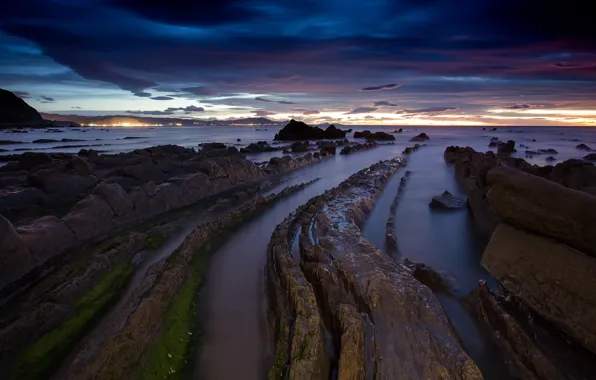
{"type": "Point", "coordinates": [14, 110]}
{"type": "Point", "coordinates": [145, 120]}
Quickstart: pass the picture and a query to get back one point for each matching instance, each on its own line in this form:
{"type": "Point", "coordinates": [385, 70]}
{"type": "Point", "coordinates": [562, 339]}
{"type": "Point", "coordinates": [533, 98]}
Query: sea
{"type": "Point", "coordinates": [232, 306]}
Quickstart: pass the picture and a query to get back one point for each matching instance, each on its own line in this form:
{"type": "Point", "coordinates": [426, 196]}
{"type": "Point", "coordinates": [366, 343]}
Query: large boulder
{"type": "Point", "coordinates": [575, 174]}
{"type": "Point", "coordinates": [115, 196]}
{"type": "Point", "coordinates": [446, 200]}
{"type": "Point", "coordinates": [14, 109]}
{"type": "Point", "coordinates": [21, 198]}
{"type": "Point", "coordinates": [80, 165]}
{"type": "Point", "coordinates": [555, 280]}
{"type": "Point", "coordinates": [89, 218]}
{"type": "Point", "coordinates": [297, 130]}
{"type": "Point", "coordinates": [421, 137]}
{"type": "Point", "coordinates": [30, 160]}
{"type": "Point", "coordinates": [14, 255]}
{"type": "Point", "coordinates": [193, 186]}
{"type": "Point", "coordinates": [366, 134]}
{"type": "Point", "coordinates": [544, 207]}
{"type": "Point", "coordinates": [300, 147]}
{"type": "Point", "coordinates": [47, 236]}
{"type": "Point", "coordinates": [506, 148]}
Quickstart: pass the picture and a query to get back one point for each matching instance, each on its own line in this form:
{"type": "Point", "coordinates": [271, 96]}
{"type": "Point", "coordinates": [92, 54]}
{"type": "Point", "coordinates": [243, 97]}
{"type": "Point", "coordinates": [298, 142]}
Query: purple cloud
{"type": "Point", "coordinates": [361, 110]}
{"type": "Point", "coordinates": [385, 103]}
{"type": "Point", "coordinates": [427, 110]}
{"type": "Point", "coordinates": [382, 87]}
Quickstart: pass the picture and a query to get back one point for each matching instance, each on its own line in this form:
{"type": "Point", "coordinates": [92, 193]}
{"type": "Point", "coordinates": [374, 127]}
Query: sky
{"type": "Point", "coordinates": [394, 62]}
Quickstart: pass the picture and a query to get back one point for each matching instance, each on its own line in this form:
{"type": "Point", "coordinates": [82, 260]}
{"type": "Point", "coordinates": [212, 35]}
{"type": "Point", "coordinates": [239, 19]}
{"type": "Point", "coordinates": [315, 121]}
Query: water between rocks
{"type": "Point", "coordinates": [232, 301]}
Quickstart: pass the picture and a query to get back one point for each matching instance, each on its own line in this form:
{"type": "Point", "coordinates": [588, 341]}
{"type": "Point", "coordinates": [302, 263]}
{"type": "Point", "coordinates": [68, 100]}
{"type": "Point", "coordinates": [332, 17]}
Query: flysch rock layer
{"type": "Point", "coordinates": [555, 280]}
{"type": "Point", "coordinates": [111, 206]}
{"type": "Point", "coordinates": [340, 303]}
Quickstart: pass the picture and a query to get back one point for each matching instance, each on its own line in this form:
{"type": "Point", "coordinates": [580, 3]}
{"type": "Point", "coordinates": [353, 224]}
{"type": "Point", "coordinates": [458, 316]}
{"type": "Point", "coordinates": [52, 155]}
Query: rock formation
{"type": "Point", "coordinates": [298, 130]}
{"type": "Point", "coordinates": [88, 196]}
{"type": "Point", "coordinates": [14, 110]}
{"type": "Point", "coordinates": [421, 137]}
{"type": "Point", "coordinates": [358, 147]}
{"type": "Point", "coordinates": [542, 223]}
{"type": "Point", "coordinates": [366, 134]}
{"type": "Point", "coordinates": [446, 200]}
{"type": "Point", "coordinates": [383, 323]}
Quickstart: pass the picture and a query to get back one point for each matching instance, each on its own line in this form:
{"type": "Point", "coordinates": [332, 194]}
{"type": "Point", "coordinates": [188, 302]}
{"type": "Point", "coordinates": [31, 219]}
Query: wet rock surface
{"type": "Point", "coordinates": [532, 348]}
{"type": "Point", "coordinates": [343, 286]}
{"type": "Point", "coordinates": [356, 147]}
{"type": "Point", "coordinates": [91, 195]}
{"type": "Point", "coordinates": [530, 266]}
{"type": "Point", "coordinates": [391, 225]}
{"type": "Point", "coordinates": [540, 223]}
{"type": "Point", "coordinates": [448, 201]}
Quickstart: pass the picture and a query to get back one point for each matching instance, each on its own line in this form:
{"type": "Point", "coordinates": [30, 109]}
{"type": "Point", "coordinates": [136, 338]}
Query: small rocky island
{"type": "Point", "coordinates": [298, 130]}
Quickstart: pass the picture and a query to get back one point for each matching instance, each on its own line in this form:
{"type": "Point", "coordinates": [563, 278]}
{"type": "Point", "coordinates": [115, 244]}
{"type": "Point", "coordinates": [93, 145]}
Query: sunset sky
{"type": "Point", "coordinates": [377, 61]}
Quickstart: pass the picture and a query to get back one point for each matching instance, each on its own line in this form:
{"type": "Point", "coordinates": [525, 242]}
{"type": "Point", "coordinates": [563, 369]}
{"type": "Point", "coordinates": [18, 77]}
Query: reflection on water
{"type": "Point", "coordinates": [234, 345]}
{"type": "Point", "coordinates": [233, 300]}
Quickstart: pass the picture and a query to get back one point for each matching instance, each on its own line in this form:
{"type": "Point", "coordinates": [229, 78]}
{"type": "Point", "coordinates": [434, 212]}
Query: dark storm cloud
{"type": "Point", "coordinates": [199, 90]}
{"type": "Point", "coordinates": [427, 110]}
{"type": "Point", "coordinates": [261, 99]}
{"type": "Point", "coordinates": [283, 76]}
{"type": "Point", "coordinates": [524, 106]}
{"type": "Point", "coordinates": [46, 99]}
{"type": "Point", "coordinates": [184, 12]}
{"type": "Point", "coordinates": [361, 110]}
{"type": "Point", "coordinates": [380, 88]}
{"type": "Point", "coordinates": [490, 48]}
{"type": "Point", "coordinates": [170, 111]}
{"type": "Point", "coordinates": [263, 113]}
{"type": "Point", "coordinates": [152, 113]}
{"type": "Point", "coordinates": [384, 103]}
{"type": "Point", "coordinates": [162, 98]}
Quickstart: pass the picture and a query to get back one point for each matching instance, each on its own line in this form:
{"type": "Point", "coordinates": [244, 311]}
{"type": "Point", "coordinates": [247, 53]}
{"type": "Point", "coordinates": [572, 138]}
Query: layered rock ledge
{"type": "Point", "coordinates": [339, 304]}
{"type": "Point", "coordinates": [542, 227]}
{"type": "Point", "coordinates": [110, 192]}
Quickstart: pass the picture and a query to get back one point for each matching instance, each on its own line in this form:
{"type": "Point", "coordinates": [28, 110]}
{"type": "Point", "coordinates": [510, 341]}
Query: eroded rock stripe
{"type": "Point", "coordinates": [124, 353]}
{"type": "Point", "coordinates": [345, 288]}
{"type": "Point", "coordinates": [136, 189]}
{"type": "Point", "coordinates": [391, 239]}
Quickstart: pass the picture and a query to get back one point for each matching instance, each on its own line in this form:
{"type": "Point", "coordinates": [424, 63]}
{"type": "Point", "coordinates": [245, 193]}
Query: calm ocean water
{"type": "Point", "coordinates": [233, 303]}
{"type": "Point", "coordinates": [119, 139]}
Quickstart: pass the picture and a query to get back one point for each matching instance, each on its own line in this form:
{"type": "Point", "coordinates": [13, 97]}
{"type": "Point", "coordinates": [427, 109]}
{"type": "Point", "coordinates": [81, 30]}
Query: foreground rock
{"type": "Point", "coordinates": [531, 348]}
{"type": "Point", "coordinates": [381, 320]}
{"type": "Point", "coordinates": [297, 130]}
{"type": "Point", "coordinates": [366, 134]}
{"type": "Point", "coordinates": [506, 148]}
{"type": "Point", "coordinates": [544, 207]}
{"type": "Point", "coordinates": [555, 280]}
{"type": "Point", "coordinates": [130, 343]}
{"type": "Point", "coordinates": [116, 191]}
{"type": "Point", "coordinates": [448, 201]}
